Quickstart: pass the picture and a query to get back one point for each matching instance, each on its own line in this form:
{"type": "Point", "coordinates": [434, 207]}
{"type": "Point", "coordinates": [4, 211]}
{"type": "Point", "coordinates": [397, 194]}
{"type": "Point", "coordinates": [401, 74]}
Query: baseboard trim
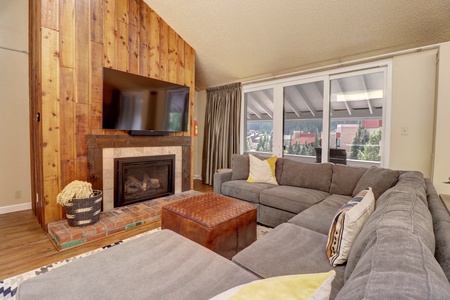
{"type": "Point", "coordinates": [14, 208]}
{"type": "Point", "coordinates": [198, 177]}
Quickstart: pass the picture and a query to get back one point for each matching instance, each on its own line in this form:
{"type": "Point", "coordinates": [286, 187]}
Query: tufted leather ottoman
{"type": "Point", "coordinates": [222, 224]}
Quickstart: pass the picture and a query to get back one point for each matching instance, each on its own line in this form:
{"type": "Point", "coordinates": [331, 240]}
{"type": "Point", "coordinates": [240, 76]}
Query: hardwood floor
{"type": "Point", "coordinates": [24, 246]}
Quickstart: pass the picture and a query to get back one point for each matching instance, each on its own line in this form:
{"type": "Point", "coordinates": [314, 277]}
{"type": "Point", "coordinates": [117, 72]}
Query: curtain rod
{"type": "Point", "coordinates": [15, 50]}
{"type": "Point", "coordinates": [342, 64]}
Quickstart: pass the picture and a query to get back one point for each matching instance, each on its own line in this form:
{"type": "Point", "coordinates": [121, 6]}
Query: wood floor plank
{"type": "Point", "coordinates": [25, 247]}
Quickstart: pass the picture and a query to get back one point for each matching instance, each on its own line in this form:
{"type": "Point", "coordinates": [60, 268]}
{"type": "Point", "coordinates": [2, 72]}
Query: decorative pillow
{"type": "Point", "coordinates": [303, 286]}
{"type": "Point", "coordinates": [347, 224]}
{"type": "Point", "coordinates": [380, 179]}
{"type": "Point", "coordinates": [262, 170]}
{"type": "Point", "coordinates": [240, 167]}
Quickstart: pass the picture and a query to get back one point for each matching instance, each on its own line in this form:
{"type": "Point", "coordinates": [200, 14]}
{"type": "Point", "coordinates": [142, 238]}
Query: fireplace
{"type": "Point", "coordinates": [143, 178]}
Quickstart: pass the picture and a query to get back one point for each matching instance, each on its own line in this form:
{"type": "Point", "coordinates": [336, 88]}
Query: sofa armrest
{"type": "Point", "coordinates": [220, 177]}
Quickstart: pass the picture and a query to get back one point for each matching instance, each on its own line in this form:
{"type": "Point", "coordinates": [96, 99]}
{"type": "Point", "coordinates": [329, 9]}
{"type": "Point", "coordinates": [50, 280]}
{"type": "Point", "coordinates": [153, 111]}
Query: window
{"type": "Point", "coordinates": [259, 120]}
{"type": "Point", "coordinates": [356, 115]}
{"type": "Point", "coordinates": [345, 109]}
{"type": "Point", "coordinates": [303, 111]}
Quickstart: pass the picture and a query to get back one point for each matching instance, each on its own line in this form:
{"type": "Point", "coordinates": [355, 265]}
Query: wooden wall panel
{"type": "Point", "coordinates": [163, 51]}
{"type": "Point", "coordinates": [50, 122]}
{"type": "Point", "coordinates": [144, 41]}
{"type": "Point", "coordinates": [109, 29]}
{"type": "Point", "coordinates": [96, 80]}
{"type": "Point", "coordinates": [154, 42]}
{"type": "Point", "coordinates": [121, 42]}
{"type": "Point", "coordinates": [96, 14]}
{"type": "Point", "coordinates": [79, 38]}
{"type": "Point", "coordinates": [67, 33]}
{"type": "Point", "coordinates": [49, 14]}
{"type": "Point", "coordinates": [172, 56]}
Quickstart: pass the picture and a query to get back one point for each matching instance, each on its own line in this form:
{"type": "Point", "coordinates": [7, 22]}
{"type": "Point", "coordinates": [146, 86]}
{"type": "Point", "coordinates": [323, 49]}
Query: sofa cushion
{"type": "Point", "coordinates": [304, 286]}
{"type": "Point", "coordinates": [347, 224]}
{"type": "Point", "coordinates": [262, 170]}
{"type": "Point", "coordinates": [400, 209]}
{"type": "Point", "coordinates": [157, 266]}
{"type": "Point", "coordinates": [326, 209]}
{"type": "Point", "coordinates": [345, 178]}
{"type": "Point", "coordinates": [287, 250]}
{"type": "Point", "coordinates": [291, 199]}
{"type": "Point", "coordinates": [307, 175]}
{"type": "Point", "coordinates": [397, 266]}
{"type": "Point", "coordinates": [273, 217]}
{"type": "Point", "coordinates": [379, 179]}
{"type": "Point", "coordinates": [248, 191]}
{"type": "Point", "coordinates": [240, 166]}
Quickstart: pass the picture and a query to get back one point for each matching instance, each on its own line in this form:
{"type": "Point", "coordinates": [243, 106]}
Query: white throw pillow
{"type": "Point", "coordinates": [299, 287]}
{"type": "Point", "coordinates": [347, 224]}
{"type": "Point", "coordinates": [262, 170]}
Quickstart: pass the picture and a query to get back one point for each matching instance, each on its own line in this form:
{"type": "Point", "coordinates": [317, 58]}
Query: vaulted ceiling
{"type": "Point", "coordinates": [238, 40]}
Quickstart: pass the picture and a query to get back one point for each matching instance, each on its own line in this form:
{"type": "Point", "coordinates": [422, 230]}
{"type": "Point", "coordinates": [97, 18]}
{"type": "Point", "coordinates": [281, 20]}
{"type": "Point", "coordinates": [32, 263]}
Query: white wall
{"type": "Point", "coordinates": [14, 112]}
{"type": "Point", "coordinates": [413, 97]}
{"type": "Point", "coordinates": [441, 166]}
{"type": "Point", "coordinates": [199, 115]}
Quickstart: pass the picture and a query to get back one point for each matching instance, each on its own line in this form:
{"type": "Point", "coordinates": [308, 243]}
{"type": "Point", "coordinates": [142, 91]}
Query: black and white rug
{"type": "Point", "coordinates": [8, 286]}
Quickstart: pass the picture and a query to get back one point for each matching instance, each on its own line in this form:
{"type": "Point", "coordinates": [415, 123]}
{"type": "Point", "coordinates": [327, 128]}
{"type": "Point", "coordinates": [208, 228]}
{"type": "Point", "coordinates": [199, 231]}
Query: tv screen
{"type": "Point", "coordinates": [143, 105]}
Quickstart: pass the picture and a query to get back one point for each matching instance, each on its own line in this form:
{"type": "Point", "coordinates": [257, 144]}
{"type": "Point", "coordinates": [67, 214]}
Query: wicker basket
{"type": "Point", "coordinates": [85, 211]}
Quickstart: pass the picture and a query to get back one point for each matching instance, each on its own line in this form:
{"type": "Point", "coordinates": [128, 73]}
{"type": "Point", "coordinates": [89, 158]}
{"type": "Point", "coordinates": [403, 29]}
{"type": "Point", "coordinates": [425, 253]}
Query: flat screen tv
{"type": "Point", "coordinates": [142, 105]}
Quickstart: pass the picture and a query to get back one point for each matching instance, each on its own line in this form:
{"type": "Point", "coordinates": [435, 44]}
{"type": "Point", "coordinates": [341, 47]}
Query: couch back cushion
{"type": "Point", "coordinates": [240, 164]}
{"type": "Point", "coordinates": [307, 175]}
{"type": "Point", "coordinates": [345, 178]}
{"type": "Point", "coordinates": [398, 266]}
{"type": "Point", "coordinates": [379, 179]}
{"type": "Point", "coordinates": [400, 208]}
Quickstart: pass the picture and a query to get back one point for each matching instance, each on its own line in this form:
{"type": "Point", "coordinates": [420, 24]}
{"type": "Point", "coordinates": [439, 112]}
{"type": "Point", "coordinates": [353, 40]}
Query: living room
{"type": "Point", "coordinates": [420, 70]}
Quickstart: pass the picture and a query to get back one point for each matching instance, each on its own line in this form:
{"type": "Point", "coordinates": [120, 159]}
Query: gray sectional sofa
{"type": "Point", "coordinates": [402, 251]}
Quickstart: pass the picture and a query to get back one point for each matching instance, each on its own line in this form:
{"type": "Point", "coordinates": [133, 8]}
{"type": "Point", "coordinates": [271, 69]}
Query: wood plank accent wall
{"type": "Point", "coordinates": [77, 38]}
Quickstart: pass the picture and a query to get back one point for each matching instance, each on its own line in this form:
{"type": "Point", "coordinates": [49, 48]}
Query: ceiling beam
{"type": "Point", "coordinates": [306, 100]}
{"type": "Point", "coordinates": [364, 83]}
{"type": "Point", "coordinates": [347, 106]}
{"type": "Point", "coordinates": [268, 111]}
{"type": "Point", "coordinates": [292, 104]}
{"type": "Point", "coordinates": [253, 110]}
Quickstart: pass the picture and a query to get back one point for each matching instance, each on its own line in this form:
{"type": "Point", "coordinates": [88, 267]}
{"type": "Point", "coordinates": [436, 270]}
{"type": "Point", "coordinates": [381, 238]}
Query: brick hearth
{"type": "Point", "coordinates": [119, 219]}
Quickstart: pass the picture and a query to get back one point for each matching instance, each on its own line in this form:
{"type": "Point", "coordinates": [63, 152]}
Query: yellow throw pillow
{"type": "Point", "coordinates": [298, 287]}
{"type": "Point", "coordinates": [262, 170]}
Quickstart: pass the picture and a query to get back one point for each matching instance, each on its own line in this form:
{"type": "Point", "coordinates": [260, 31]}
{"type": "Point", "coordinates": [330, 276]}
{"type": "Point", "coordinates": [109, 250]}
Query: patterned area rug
{"type": "Point", "coordinates": [8, 287]}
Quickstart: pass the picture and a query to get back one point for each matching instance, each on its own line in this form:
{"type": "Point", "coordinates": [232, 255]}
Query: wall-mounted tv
{"type": "Point", "coordinates": [142, 105]}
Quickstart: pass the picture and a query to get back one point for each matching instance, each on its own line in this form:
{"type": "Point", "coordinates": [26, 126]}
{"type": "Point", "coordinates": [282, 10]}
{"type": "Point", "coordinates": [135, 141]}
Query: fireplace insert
{"type": "Point", "coordinates": [143, 178]}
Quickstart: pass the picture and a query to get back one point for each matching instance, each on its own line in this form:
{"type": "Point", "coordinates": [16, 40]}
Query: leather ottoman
{"type": "Point", "coordinates": [222, 224]}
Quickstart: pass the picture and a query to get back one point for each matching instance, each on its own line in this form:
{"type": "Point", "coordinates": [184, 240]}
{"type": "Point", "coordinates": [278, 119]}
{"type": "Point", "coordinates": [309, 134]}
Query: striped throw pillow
{"type": "Point", "coordinates": [347, 224]}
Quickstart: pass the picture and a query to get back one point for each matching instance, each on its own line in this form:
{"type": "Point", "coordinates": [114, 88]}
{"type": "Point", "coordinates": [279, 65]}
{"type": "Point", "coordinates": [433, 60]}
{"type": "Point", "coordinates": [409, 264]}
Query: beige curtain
{"type": "Point", "coordinates": [222, 126]}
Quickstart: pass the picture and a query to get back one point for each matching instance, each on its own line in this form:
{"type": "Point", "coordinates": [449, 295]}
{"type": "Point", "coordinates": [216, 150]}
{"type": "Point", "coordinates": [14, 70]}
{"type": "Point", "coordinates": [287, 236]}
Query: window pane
{"type": "Point", "coordinates": [303, 112]}
{"type": "Point", "coordinates": [259, 120]}
{"type": "Point", "coordinates": [356, 108]}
